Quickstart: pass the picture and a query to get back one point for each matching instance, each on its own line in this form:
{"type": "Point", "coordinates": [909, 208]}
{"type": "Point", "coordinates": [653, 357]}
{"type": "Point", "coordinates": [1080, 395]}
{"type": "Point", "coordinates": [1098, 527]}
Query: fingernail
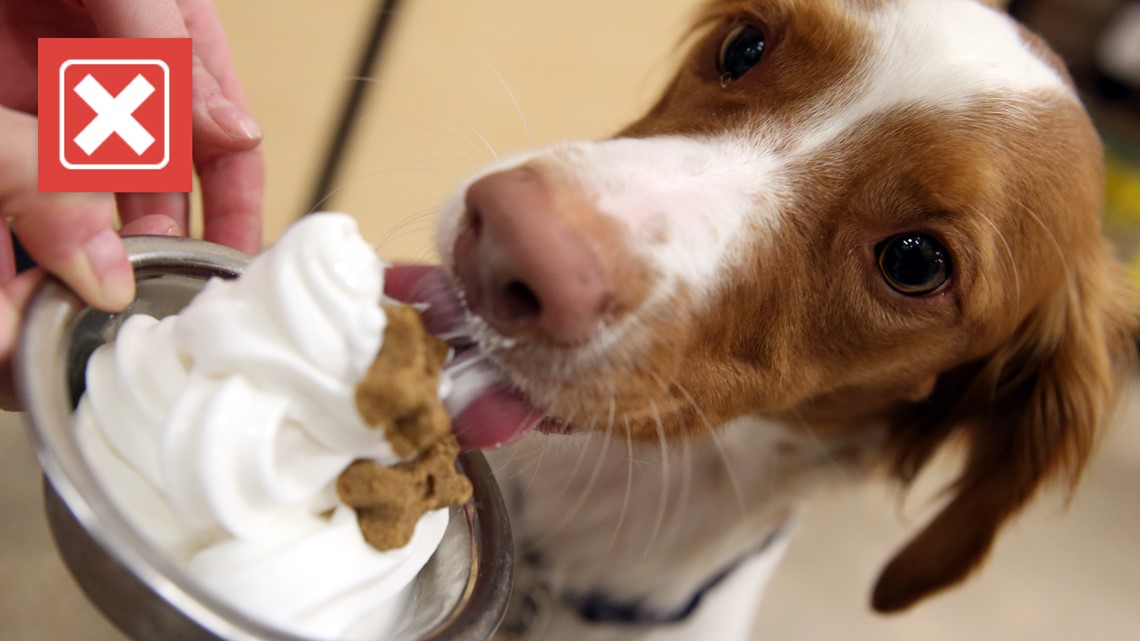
{"type": "Point", "coordinates": [234, 121]}
{"type": "Point", "coordinates": [111, 270]}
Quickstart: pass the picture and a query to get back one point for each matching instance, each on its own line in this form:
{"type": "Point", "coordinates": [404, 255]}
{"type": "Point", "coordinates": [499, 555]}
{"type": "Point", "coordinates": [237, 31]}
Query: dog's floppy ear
{"type": "Point", "coordinates": [1029, 413]}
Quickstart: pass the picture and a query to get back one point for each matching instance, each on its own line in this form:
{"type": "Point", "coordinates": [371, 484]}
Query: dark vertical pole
{"type": "Point", "coordinates": [354, 100]}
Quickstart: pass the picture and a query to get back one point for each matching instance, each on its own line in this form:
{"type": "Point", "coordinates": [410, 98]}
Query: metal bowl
{"type": "Point", "coordinates": [460, 595]}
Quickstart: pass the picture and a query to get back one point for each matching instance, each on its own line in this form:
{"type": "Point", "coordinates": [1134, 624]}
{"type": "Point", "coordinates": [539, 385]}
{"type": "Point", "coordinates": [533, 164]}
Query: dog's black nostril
{"type": "Point", "coordinates": [520, 302]}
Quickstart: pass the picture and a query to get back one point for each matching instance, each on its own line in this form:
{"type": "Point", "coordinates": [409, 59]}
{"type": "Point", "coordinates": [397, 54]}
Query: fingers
{"type": "Point", "coordinates": [226, 137]}
{"type": "Point", "coordinates": [232, 179]}
{"type": "Point", "coordinates": [15, 293]}
{"type": "Point", "coordinates": [232, 187]}
{"type": "Point", "coordinates": [202, 23]}
{"type": "Point", "coordinates": [70, 235]}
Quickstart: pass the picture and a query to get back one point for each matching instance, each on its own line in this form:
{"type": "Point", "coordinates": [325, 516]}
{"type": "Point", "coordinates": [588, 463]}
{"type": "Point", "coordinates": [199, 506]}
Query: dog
{"type": "Point", "coordinates": [850, 233]}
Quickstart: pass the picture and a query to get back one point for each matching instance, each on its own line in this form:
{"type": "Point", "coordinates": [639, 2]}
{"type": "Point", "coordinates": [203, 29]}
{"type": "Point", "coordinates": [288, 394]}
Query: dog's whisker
{"type": "Point", "coordinates": [419, 218]}
{"type": "Point", "coordinates": [459, 334]}
{"type": "Point", "coordinates": [354, 180]}
{"type": "Point", "coordinates": [438, 138]}
{"type": "Point", "coordinates": [590, 483]}
{"type": "Point", "coordinates": [483, 148]}
{"type": "Point", "coordinates": [1008, 250]}
{"type": "Point", "coordinates": [682, 504]}
{"type": "Point", "coordinates": [423, 161]}
{"type": "Point", "coordinates": [537, 466]}
{"type": "Point", "coordinates": [505, 465]}
{"type": "Point", "coordinates": [826, 454]}
{"type": "Point", "coordinates": [480, 151]}
{"type": "Point", "coordinates": [526, 463]}
{"type": "Point", "coordinates": [520, 455]}
{"type": "Point", "coordinates": [568, 481]}
{"type": "Point", "coordinates": [414, 228]}
{"type": "Point", "coordinates": [470, 126]}
{"type": "Point", "coordinates": [467, 124]}
{"type": "Point", "coordinates": [686, 466]}
{"type": "Point", "coordinates": [663, 497]}
{"type": "Point", "coordinates": [730, 472]}
{"type": "Point", "coordinates": [620, 523]}
{"type": "Point", "coordinates": [524, 459]}
{"type": "Point", "coordinates": [1048, 234]}
{"type": "Point", "coordinates": [510, 94]}
{"type": "Point", "coordinates": [416, 218]}
{"type": "Point", "coordinates": [466, 363]}
{"type": "Point", "coordinates": [498, 471]}
{"type": "Point", "coordinates": [483, 139]}
{"type": "Point", "coordinates": [528, 419]}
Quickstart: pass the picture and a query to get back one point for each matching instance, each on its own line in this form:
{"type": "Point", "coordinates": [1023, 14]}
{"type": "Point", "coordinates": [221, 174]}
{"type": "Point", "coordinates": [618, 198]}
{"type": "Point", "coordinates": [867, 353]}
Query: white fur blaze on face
{"type": "Point", "coordinates": [689, 207]}
{"type": "Point", "coordinates": [938, 53]}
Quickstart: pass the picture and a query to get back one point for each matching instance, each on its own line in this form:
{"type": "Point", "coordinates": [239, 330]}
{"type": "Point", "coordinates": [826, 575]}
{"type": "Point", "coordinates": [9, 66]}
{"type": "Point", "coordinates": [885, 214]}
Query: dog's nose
{"type": "Point", "coordinates": [532, 258]}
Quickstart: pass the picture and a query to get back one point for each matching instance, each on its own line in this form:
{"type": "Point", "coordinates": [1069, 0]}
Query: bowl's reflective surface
{"type": "Point", "coordinates": [460, 596]}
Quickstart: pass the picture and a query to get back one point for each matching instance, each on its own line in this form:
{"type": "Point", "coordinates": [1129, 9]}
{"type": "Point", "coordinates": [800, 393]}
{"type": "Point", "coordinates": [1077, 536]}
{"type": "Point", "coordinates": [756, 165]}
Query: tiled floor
{"type": "Point", "coordinates": [466, 80]}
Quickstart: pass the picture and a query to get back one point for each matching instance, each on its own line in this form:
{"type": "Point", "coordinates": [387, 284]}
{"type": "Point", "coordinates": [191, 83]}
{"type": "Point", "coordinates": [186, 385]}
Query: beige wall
{"type": "Point", "coordinates": [445, 99]}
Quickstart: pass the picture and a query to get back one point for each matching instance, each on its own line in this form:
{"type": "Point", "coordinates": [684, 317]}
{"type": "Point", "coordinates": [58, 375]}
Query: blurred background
{"type": "Point", "coordinates": [461, 82]}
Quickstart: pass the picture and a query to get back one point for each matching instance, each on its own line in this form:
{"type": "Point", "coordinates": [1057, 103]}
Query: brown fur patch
{"type": "Point", "coordinates": [812, 48]}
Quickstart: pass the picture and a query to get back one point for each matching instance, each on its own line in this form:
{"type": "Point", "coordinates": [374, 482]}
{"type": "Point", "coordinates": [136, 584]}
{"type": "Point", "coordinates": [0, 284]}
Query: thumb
{"type": "Point", "coordinates": [69, 235]}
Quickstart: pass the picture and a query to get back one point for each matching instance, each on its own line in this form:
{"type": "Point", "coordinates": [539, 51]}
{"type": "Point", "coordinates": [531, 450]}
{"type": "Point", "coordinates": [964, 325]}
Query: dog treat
{"type": "Point", "coordinates": [400, 391]}
{"type": "Point", "coordinates": [389, 501]}
{"type": "Point", "coordinates": [399, 394]}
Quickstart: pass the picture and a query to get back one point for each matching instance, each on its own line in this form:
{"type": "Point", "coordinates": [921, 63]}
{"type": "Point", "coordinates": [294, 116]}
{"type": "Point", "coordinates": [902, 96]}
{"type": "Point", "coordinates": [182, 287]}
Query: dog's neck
{"type": "Point", "coordinates": [601, 516]}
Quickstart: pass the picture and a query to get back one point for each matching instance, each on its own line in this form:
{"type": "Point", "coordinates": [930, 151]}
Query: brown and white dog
{"type": "Point", "coordinates": [850, 232]}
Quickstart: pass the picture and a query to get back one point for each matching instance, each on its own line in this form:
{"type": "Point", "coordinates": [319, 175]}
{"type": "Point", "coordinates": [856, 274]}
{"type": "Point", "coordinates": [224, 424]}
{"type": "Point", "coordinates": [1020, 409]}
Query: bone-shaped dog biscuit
{"type": "Point", "coordinates": [389, 501]}
{"type": "Point", "coordinates": [399, 394]}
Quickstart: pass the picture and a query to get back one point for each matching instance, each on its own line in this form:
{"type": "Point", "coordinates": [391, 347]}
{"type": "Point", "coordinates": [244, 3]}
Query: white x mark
{"type": "Point", "coordinates": [114, 114]}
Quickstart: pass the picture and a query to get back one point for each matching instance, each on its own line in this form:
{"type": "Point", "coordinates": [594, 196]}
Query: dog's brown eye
{"type": "Point", "coordinates": [742, 50]}
{"type": "Point", "coordinates": [914, 264]}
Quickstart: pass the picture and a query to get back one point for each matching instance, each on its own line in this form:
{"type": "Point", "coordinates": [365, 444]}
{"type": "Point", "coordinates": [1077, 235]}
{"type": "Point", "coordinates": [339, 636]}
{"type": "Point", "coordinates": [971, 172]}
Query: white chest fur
{"type": "Point", "coordinates": [652, 524]}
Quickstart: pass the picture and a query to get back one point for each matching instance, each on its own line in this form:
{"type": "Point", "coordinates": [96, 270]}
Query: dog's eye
{"type": "Point", "coordinates": [914, 264]}
{"type": "Point", "coordinates": [741, 51]}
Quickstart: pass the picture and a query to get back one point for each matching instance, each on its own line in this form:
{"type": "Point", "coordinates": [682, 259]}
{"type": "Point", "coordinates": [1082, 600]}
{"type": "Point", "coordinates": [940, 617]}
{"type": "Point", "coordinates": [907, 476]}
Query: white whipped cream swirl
{"type": "Point", "coordinates": [220, 433]}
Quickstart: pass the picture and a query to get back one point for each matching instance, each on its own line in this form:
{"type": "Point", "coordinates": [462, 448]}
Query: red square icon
{"type": "Point", "coordinates": [115, 114]}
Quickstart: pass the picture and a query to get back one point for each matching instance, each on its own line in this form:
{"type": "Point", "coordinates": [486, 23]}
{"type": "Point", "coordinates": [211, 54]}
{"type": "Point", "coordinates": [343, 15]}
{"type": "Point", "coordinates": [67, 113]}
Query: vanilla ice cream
{"type": "Point", "coordinates": [220, 434]}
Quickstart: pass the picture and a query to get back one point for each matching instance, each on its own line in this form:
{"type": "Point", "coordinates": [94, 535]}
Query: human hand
{"type": "Point", "coordinates": [71, 235]}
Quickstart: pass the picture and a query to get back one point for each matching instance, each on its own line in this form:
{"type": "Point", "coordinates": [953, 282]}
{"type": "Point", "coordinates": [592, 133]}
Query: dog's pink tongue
{"type": "Point", "coordinates": [495, 418]}
{"type": "Point", "coordinates": [486, 412]}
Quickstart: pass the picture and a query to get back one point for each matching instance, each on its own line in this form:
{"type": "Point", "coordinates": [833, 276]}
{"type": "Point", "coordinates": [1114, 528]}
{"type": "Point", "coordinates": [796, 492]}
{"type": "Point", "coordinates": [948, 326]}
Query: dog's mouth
{"type": "Point", "coordinates": [488, 410]}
